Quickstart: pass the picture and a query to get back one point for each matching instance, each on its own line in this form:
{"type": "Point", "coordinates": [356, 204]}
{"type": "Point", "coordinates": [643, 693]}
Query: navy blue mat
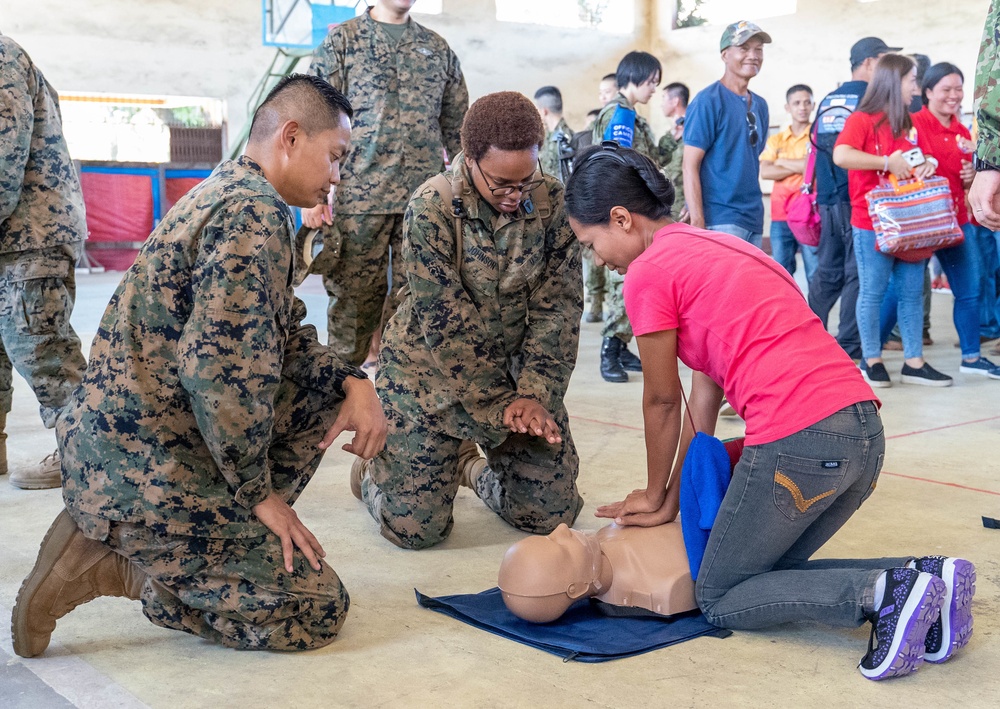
{"type": "Point", "coordinates": [583, 633]}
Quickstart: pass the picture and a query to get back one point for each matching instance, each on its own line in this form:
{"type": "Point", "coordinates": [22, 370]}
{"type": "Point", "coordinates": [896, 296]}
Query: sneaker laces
{"type": "Point", "coordinates": [52, 457]}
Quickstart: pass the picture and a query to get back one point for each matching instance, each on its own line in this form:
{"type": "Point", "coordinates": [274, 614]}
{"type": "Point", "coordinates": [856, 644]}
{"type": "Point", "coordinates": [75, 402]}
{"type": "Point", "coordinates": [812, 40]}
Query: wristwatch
{"type": "Point", "coordinates": [980, 165]}
{"type": "Point", "coordinates": [341, 374]}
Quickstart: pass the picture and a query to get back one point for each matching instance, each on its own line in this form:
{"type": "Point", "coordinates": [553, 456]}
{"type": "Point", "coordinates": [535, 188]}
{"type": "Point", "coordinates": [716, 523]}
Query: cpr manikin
{"type": "Point", "coordinates": [640, 567]}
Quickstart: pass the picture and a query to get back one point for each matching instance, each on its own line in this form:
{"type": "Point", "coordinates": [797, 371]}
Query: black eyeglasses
{"type": "Point", "coordinates": [752, 125]}
{"type": "Point", "coordinates": [503, 191]}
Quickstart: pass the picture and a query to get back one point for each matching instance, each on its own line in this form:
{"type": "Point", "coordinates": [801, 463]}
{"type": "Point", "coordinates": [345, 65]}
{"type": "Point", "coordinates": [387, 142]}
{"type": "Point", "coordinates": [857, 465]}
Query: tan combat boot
{"type": "Point", "coordinates": [41, 476]}
{"type": "Point", "coordinates": [3, 444]}
{"type": "Point", "coordinates": [470, 464]}
{"type": "Point", "coordinates": [71, 570]}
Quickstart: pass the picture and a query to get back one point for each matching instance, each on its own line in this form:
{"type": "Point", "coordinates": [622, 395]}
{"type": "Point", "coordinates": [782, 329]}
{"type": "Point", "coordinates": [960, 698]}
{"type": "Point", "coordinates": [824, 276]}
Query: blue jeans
{"type": "Point", "coordinates": [874, 271]}
{"type": "Point", "coordinates": [961, 266]}
{"type": "Point", "coordinates": [987, 243]}
{"type": "Point", "coordinates": [783, 248]}
{"type": "Point", "coordinates": [755, 238]}
{"type": "Point", "coordinates": [756, 571]}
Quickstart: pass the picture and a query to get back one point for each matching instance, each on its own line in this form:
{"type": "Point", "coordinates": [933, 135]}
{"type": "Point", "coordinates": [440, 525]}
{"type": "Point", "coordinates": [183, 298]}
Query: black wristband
{"type": "Point", "coordinates": [980, 165]}
{"type": "Point", "coordinates": [341, 374]}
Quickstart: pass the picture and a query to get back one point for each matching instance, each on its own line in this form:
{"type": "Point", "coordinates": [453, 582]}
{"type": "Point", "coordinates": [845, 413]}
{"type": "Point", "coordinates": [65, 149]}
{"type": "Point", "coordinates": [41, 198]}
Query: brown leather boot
{"type": "Point", "coordinates": [71, 570]}
{"type": "Point", "coordinates": [470, 464]}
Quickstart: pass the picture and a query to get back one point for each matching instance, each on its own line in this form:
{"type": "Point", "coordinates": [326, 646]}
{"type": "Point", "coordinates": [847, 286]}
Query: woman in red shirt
{"type": "Point", "coordinates": [814, 440]}
{"type": "Point", "coordinates": [872, 145]}
{"type": "Point", "coordinates": [951, 143]}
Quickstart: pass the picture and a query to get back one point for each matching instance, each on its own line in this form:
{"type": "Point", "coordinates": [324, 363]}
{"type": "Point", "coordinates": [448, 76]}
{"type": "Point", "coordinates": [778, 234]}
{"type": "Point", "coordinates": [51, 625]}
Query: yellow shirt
{"type": "Point", "coordinates": [785, 144]}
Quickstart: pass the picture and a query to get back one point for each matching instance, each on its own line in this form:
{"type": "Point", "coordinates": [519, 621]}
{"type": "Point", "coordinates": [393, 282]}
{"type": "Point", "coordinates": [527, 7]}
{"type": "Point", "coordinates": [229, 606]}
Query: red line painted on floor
{"type": "Point", "coordinates": [941, 482]}
{"type": "Point", "coordinates": [941, 428]}
{"type": "Point", "coordinates": [898, 435]}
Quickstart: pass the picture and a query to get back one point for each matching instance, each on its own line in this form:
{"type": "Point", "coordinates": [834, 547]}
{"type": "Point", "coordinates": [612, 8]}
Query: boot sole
{"type": "Point", "coordinates": [956, 616]}
{"type": "Point", "coordinates": [35, 484]}
{"type": "Point", "coordinates": [52, 547]}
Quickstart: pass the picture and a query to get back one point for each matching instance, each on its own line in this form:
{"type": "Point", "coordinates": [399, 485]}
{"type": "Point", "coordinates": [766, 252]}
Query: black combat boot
{"type": "Point", "coordinates": [611, 363]}
{"type": "Point", "coordinates": [630, 363]}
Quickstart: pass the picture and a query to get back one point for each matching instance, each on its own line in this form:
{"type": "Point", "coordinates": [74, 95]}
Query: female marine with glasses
{"type": "Point", "coordinates": [814, 440]}
{"type": "Point", "coordinates": [482, 346]}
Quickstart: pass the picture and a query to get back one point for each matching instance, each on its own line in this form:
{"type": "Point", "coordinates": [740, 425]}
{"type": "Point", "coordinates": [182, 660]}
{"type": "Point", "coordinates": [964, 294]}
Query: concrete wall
{"type": "Point", "coordinates": [213, 47]}
{"type": "Point", "coordinates": [813, 45]}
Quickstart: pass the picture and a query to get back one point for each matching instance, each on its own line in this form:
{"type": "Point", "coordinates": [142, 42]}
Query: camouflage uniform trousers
{"type": "Point", "coordinates": [411, 486]}
{"type": "Point", "coordinates": [236, 592]}
{"type": "Point", "coordinates": [616, 322]}
{"type": "Point", "coordinates": [37, 292]}
{"type": "Point", "coordinates": [595, 279]}
{"type": "Point", "coordinates": [355, 274]}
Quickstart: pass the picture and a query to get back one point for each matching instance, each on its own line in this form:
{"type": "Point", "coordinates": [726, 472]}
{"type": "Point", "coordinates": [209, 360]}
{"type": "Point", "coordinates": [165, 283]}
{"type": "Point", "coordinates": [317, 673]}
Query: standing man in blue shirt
{"type": "Point", "coordinates": [724, 134]}
{"type": "Point", "coordinates": [836, 275]}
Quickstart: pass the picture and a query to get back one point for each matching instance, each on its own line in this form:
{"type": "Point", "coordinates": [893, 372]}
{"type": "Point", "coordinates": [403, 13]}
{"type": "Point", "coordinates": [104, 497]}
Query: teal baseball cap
{"type": "Point", "coordinates": [738, 33]}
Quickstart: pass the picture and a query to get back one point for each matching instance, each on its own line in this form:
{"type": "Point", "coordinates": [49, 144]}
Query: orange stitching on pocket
{"type": "Point", "coordinates": [800, 502]}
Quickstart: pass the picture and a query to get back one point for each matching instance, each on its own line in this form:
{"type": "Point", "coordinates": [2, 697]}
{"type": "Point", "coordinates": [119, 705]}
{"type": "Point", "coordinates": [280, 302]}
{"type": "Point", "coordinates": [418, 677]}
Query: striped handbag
{"type": "Point", "coordinates": [913, 214]}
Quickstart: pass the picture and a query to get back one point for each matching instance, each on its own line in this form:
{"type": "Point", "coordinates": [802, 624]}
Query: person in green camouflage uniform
{"type": "Point", "coordinates": [407, 87]}
{"type": "Point", "coordinates": [42, 229]}
{"type": "Point", "coordinates": [548, 101]}
{"type": "Point", "coordinates": [984, 196]}
{"type": "Point", "coordinates": [202, 415]}
{"type": "Point", "coordinates": [481, 350]}
{"type": "Point", "coordinates": [638, 75]}
{"type": "Point", "coordinates": [671, 146]}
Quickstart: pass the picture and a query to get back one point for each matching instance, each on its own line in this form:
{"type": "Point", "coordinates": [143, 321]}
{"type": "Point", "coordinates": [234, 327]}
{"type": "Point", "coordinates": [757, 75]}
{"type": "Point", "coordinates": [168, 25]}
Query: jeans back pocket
{"type": "Point", "coordinates": [805, 487]}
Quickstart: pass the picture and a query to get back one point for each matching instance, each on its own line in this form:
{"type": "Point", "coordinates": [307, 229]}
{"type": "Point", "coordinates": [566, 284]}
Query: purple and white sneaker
{"type": "Point", "coordinates": [954, 628]}
{"type": "Point", "coordinates": [910, 605]}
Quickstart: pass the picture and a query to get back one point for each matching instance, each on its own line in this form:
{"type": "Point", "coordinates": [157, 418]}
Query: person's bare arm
{"type": "Point", "coordinates": [691, 169]}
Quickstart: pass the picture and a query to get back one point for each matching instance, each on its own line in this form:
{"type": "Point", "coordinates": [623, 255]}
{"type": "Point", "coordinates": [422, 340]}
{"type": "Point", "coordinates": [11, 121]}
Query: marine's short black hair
{"type": "Point", "coordinates": [637, 67]}
{"type": "Point", "coordinates": [679, 90]}
{"type": "Point", "coordinates": [549, 97]}
{"type": "Point", "coordinates": [308, 100]}
{"type": "Point", "coordinates": [795, 89]}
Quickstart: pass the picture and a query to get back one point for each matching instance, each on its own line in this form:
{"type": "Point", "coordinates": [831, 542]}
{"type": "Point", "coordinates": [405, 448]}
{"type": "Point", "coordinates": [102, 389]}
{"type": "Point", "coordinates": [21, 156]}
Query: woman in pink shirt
{"type": "Point", "coordinates": [814, 440]}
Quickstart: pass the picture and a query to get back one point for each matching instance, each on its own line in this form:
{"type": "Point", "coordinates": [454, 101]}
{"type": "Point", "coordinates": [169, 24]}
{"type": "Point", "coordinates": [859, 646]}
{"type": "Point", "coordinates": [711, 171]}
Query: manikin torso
{"type": "Point", "coordinates": [650, 568]}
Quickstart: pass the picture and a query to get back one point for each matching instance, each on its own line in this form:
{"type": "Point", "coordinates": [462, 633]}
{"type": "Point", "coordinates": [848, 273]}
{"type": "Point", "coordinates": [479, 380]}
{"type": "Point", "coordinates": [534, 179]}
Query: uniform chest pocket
{"type": "Point", "coordinates": [805, 487]}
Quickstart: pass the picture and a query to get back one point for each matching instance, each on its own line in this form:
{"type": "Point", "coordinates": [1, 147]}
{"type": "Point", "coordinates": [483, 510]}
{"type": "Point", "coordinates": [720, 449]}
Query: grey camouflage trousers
{"type": "Point", "coordinates": [410, 487]}
{"type": "Point", "coordinates": [37, 292]}
{"type": "Point", "coordinates": [236, 592]}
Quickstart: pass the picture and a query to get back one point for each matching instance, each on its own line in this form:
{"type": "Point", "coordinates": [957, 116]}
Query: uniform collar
{"type": "Point", "coordinates": [412, 33]}
{"type": "Point", "coordinates": [248, 163]}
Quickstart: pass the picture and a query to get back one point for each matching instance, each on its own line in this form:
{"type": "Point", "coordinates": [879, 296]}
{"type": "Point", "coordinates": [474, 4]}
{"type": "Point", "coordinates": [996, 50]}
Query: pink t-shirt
{"type": "Point", "coordinates": [742, 320]}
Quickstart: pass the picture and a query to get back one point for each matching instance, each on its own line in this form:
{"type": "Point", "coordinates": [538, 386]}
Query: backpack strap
{"type": "Point", "coordinates": [543, 205]}
{"type": "Point", "coordinates": [448, 189]}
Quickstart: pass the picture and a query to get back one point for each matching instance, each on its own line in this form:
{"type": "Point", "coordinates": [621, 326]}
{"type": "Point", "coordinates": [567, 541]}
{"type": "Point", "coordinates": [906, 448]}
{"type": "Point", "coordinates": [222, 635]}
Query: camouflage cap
{"type": "Point", "coordinates": [738, 33]}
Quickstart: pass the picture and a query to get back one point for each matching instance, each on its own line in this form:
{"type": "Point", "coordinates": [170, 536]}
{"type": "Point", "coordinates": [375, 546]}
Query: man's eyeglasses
{"type": "Point", "coordinates": [505, 190]}
{"type": "Point", "coordinates": [752, 125]}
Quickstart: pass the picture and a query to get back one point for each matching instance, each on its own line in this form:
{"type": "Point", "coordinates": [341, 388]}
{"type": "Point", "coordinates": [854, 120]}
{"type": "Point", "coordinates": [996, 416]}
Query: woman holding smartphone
{"type": "Point", "coordinates": [879, 140]}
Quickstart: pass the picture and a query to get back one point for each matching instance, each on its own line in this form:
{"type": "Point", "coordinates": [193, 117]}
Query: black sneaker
{"type": "Point", "coordinates": [954, 628]}
{"type": "Point", "coordinates": [877, 376]}
{"type": "Point", "coordinates": [911, 603]}
{"type": "Point", "coordinates": [925, 376]}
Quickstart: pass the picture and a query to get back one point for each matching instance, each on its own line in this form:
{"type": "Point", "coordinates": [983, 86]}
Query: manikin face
{"type": "Point", "coordinates": [909, 86]}
{"type": "Point", "coordinates": [312, 165]}
{"type": "Point", "coordinates": [606, 91]}
{"type": "Point", "coordinates": [615, 244]}
{"type": "Point", "coordinates": [560, 563]}
{"type": "Point", "coordinates": [800, 106]}
{"type": "Point", "coordinates": [946, 96]}
{"type": "Point", "coordinates": [503, 168]}
{"type": "Point", "coordinates": [745, 60]}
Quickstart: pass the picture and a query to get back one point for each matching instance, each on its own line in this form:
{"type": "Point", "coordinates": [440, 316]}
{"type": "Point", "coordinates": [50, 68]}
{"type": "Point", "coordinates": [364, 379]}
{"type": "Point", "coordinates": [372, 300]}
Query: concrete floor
{"type": "Point", "coordinates": [942, 473]}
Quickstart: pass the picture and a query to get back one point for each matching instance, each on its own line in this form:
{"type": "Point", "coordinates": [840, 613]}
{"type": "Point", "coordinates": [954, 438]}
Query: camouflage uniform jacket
{"type": "Point", "coordinates": [643, 141]}
{"type": "Point", "coordinates": [463, 345]}
{"type": "Point", "coordinates": [549, 154]}
{"type": "Point", "coordinates": [172, 424]}
{"type": "Point", "coordinates": [409, 100]}
{"type": "Point", "coordinates": [41, 204]}
{"type": "Point", "coordinates": [671, 154]}
{"type": "Point", "coordinates": [987, 102]}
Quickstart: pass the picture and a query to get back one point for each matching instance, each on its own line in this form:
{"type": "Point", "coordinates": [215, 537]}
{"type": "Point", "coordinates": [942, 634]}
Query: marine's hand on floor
{"type": "Point", "coordinates": [275, 514]}
{"type": "Point", "coordinates": [641, 508]}
{"type": "Point", "coordinates": [984, 196]}
{"type": "Point", "coordinates": [361, 412]}
{"type": "Point", "coordinates": [528, 416]}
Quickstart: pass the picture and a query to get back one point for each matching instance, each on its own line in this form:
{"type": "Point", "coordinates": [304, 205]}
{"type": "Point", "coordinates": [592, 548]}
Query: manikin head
{"type": "Point", "coordinates": [540, 577]}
